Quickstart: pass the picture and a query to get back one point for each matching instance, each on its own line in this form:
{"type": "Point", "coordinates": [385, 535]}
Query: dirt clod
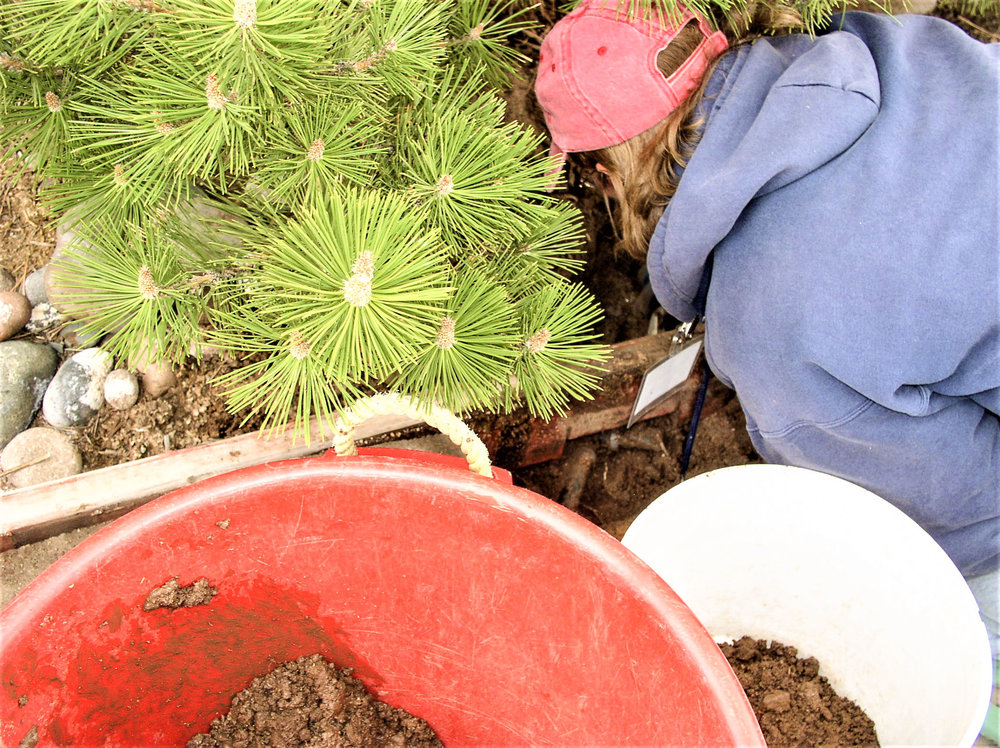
{"type": "Point", "coordinates": [312, 702]}
{"type": "Point", "coordinates": [172, 595]}
{"type": "Point", "coordinates": [794, 704]}
{"type": "Point", "coordinates": [30, 740]}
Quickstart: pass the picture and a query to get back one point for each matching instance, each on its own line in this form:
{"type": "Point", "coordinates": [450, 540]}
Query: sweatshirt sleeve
{"type": "Point", "coordinates": [945, 474]}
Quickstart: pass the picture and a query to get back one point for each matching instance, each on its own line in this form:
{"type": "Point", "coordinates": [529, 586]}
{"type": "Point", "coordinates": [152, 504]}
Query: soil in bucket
{"type": "Point", "coordinates": [312, 702]}
{"type": "Point", "coordinates": [794, 704]}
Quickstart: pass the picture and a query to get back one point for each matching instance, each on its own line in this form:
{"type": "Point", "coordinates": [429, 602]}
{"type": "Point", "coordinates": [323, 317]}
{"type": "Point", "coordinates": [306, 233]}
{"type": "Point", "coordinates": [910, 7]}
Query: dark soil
{"type": "Point", "coordinates": [312, 702]}
{"type": "Point", "coordinates": [794, 704]}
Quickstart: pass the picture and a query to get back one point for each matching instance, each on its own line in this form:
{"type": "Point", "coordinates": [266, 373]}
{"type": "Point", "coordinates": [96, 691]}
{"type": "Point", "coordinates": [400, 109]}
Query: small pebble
{"type": "Point", "coordinates": [34, 287]}
{"type": "Point", "coordinates": [158, 378]}
{"type": "Point", "coordinates": [44, 316]}
{"type": "Point", "coordinates": [26, 369]}
{"type": "Point", "coordinates": [15, 311]}
{"type": "Point", "coordinates": [76, 392]}
{"type": "Point", "coordinates": [7, 280]}
{"type": "Point", "coordinates": [811, 694]}
{"type": "Point", "coordinates": [44, 453]}
{"type": "Point", "coordinates": [121, 389]}
{"type": "Point", "coordinates": [777, 701]}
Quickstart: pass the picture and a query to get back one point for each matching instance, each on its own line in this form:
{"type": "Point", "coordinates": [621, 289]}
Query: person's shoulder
{"type": "Point", "coordinates": [905, 29]}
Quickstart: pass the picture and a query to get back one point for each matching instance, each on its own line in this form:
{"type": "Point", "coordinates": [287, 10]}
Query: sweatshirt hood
{"type": "Point", "coordinates": [774, 111]}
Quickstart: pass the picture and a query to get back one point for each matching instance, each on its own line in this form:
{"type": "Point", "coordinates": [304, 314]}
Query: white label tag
{"type": "Point", "coordinates": [664, 378]}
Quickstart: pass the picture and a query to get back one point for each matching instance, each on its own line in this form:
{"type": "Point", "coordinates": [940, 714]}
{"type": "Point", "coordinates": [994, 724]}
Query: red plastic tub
{"type": "Point", "coordinates": [498, 616]}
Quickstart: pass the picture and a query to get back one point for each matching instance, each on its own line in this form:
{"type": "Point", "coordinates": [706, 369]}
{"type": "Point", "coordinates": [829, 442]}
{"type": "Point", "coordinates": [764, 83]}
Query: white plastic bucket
{"type": "Point", "coordinates": [818, 563]}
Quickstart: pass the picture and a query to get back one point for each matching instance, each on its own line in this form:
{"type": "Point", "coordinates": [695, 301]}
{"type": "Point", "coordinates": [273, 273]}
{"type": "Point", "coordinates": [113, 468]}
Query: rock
{"type": "Point", "coordinates": [811, 694]}
{"type": "Point", "coordinates": [43, 317]}
{"type": "Point", "coordinates": [7, 281]}
{"type": "Point", "coordinates": [74, 334]}
{"type": "Point", "coordinates": [777, 701]}
{"type": "Point", "coordinates": [69, 251]}
{"type": "Point", "coordinates": [45, 453]}
{"type": "Point", "coordinates": [25, 371]}
{"type": "Point", "coordinates": [34, 287]}
{"type": "Point", "coordinates": [121, 389]}
{"type": "Point", "coordinates": [15, 311]}
{"type": "Point", "coordinates": [76, 392]}
{"type": "Point", "coordinates": [158, 378]}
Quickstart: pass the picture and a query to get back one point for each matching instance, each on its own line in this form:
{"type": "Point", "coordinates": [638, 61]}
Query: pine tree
{"type": "Point", "coordinates": [326, 189]}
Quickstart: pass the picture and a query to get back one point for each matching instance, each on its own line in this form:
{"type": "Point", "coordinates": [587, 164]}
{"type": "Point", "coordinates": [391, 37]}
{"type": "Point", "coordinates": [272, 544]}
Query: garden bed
{"type": "Point", "coordinates": [625, 469]}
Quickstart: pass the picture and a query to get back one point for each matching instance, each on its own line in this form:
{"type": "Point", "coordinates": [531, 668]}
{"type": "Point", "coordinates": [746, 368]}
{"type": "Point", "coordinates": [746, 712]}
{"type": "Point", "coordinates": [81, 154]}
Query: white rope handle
{"type": "Point", "coordinates": [391, 403]}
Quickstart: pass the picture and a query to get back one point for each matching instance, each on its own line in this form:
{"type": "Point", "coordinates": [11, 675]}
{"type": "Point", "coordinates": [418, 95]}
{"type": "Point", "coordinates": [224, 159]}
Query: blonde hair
{"type": "Point", "coordinates": [644, 171]}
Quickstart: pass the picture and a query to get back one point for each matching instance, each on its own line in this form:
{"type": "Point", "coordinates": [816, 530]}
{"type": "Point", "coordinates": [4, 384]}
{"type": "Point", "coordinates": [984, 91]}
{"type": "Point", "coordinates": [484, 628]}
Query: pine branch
{"type": "Point", "coordinates": [359, 277]}
{"type": "Point", "coordinates": [559, 361]}
{"type": "Point", "coordinates": [37, 121]}
{"type": "Point", "coordinates": [86, 34]}
{"type": "Point", "coordinates": [213, 134]}
{"type": "Point", "coordinates": [403, 44]}
{"type": "Point", "coordinates": [324, 145]}
{"type": "Point", "coordinates": [481, 32]}
{"type": "Point", "coordinates": [334, 185]}
{"type": "Point", "coordinates": [469, 360]}
{"type": "Point", "coordinates": [130, 284]}
{"type": "Point", "coordinates": [271, 51]}
{"type": "Point", "coordinates": [284, 377]}
{"type": "Point", "coordinates": [477, 180]}
{"type": "Point", "coordinates": [554, 249]}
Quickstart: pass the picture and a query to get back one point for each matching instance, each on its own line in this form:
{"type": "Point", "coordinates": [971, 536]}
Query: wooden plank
{"type": "Point", "coordinates": [40, 511]}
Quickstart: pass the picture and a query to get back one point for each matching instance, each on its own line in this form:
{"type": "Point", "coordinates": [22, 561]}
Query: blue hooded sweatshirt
{"type": "Point", "coordinates": [846, 186]}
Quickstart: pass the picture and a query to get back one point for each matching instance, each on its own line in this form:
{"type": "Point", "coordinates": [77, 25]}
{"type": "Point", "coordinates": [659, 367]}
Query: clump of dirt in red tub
{"type": "Point", "coordinates": [172, 595]}
{"type": "Point", "coordinates": [312, 702]}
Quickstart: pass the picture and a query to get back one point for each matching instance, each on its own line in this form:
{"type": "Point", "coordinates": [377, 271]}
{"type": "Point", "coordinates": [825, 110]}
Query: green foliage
{"type": "Point", "coordinates": [557, 360]}
{"type": "Point", "coordinates": [815, 14]}
{"type": "Point", "coordinates": [136, 285]}
{"type": "Point", "coordinates": [972, 6]}
{"type": "Point", "coordinates": [325, 189]}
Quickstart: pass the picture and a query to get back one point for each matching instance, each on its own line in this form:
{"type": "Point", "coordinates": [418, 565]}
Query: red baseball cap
{"type": "Point", "coordinates": [598, 83]}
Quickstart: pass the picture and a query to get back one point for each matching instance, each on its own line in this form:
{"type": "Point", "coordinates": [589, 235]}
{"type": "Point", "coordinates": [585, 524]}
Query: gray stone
{"type": "Point", "coordinates": [38, 455]}
{"type": "Point", "coordinates": [76, 392]}
{"type": "Point", "coordinates": [15, 311]}
{"type": "Point", "coordinates": [34, 287]}
{"type": "Point", "coordinates": [25, 371]}
{"type": "Point", "coordinates": [7, 281]}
